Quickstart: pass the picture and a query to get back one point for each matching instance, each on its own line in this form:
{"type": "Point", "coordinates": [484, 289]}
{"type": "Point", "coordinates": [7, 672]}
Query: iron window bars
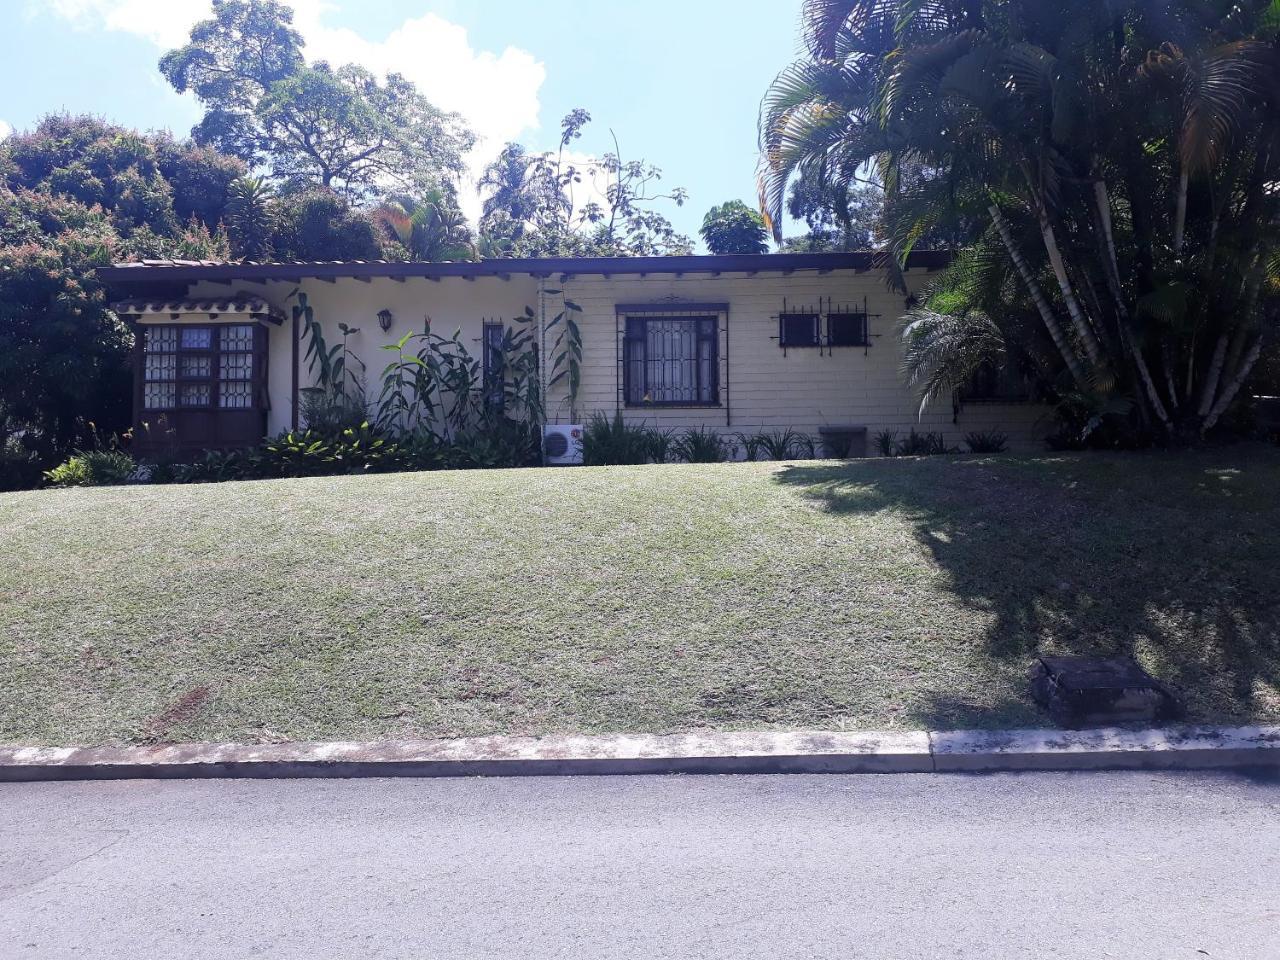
{"type": "Point", "coordinates": [824, 327]}
{"type": "Point", "coordinates": [671, 361]}
{"type": "Point", "coordinates": [495, 394]}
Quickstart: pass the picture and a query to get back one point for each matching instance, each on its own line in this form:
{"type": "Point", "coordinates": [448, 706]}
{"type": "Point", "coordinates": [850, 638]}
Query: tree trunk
{"type": "Point", "coordinates": [1233, 387]}
{"type": "Point", "coordinates": [1037, 295]}
{"type": "Point", "coordinates": [1180, 215]}
{"type": "Point", "coordinates": [1139, 361]}
{"type": "Point", "coordinates": [1211, 379]}
{"type": "Point", "coordinates": [1087, 337]}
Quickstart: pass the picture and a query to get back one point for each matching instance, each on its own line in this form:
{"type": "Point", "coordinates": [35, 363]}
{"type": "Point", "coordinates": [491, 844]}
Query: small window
{"type": "Point", "coordinates": [495, 387]}
{"type": "Point", "coordinates": [798, 330]}
{"type": "Point", "coordinates": [847, 330]}
{"type": "Point", "coordinates": [671, 361]}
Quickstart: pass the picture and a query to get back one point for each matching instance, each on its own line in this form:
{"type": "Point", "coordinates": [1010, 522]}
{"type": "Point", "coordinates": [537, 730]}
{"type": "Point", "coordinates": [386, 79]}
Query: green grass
{"type": "Point", "coordinates": [898, 593]}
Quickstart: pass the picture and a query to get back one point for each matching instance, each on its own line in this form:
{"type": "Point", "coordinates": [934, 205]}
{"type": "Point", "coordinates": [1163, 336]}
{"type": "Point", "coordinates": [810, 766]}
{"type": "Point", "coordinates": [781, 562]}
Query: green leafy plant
{"type": "Point", "coordinates": [661, 444]}
{"type": "Point", "coordinates": [611, 441]}
{"type": "Point", "coordinates": [806, 446]}
{"type": "Point", "coordinates": [916, 444]}
{"type": "Point", "coordinates": [566, 352]}
{"type": "Point", "coordinates": [992, 441]}
{"type": "Point", "coordinates": [498, 442]}
{"type": "Point", "coordinates": [886, 442]}
{"type": "Point", "coordinates": [751, 445]}
{"type": "Point", "coordinates": [699, 445]}
{"type": "Point", "coordinates": [92, 468]}
{"type": "Point", "coordinates": [778, 444]}
{"type": "Point", "coordinates": [337, 399]}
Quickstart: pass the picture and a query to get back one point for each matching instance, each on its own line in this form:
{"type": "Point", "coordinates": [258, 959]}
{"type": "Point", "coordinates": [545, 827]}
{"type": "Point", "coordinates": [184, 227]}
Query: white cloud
{"type": "Point", "coordinates": [5, 129]}
{"type": "Point", "coordinates": [496, 92]}
{"type": "Point", "coordinates": [165, 23]}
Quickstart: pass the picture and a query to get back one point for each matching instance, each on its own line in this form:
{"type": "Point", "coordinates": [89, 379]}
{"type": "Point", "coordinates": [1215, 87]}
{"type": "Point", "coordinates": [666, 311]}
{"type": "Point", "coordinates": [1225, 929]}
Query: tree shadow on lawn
{"type": "Point", "coordinates": [1170, 558]}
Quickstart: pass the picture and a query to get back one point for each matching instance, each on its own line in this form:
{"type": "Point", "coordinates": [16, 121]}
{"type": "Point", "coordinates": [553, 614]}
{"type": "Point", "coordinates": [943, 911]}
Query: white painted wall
{"type": "Point", "coordinates": [761, 388]}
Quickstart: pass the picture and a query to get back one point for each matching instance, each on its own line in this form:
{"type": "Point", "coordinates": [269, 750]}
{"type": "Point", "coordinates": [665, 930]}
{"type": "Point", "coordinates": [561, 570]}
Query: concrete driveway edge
{"type": "Point", "coordinates": [1107, 748]}
{"type": "Point", "coordinates": [692, 753]}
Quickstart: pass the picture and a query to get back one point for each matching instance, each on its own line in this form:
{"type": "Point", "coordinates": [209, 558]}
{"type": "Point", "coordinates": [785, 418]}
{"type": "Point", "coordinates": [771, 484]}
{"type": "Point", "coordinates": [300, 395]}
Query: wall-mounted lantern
{"type": "Point", "coordinates": [384, 320]}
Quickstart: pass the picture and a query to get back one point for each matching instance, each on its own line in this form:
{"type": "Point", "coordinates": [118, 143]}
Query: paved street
{"type": "Point", "coordinates": [1136, 866]}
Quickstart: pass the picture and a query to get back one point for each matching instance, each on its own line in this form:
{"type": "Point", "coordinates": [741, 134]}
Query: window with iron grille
{"type": "Point", "coordinates": [798, 329]}
{"type": "Point", "coordinates": [198, 367]}
{"type": "Point", "coordinates": [847, 330]}
{"type": "Point", "coordinates": [494, 335]}
{"type": "Point", "coordinates": [671, 361]}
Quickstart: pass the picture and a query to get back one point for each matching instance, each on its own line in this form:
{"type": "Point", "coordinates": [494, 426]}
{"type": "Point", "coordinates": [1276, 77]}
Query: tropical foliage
{"type": "Point", "coordinates": [1110, 164]}
{"type": "Point", "coordinates": [733, 227]}
{"type": "Point", "coordinates": [339, 127]}
{"type": "Point", "coordinates": [557, 204]}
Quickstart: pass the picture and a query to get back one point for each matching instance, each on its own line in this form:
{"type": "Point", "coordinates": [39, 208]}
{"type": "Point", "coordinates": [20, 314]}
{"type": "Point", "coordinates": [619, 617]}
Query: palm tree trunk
{"type": "Point", "coordinates": [1037, 295]}
{"type": "Point", "coordinates": [1139, 361]}
{"type": "Point", "coordinates": [1233, 387]}
{"type": "Point", "coordinates": [1103, 202]}
{"type": "Point", "coordinates": [1211, 379]}
{"type": "Point", "coordinates": [1180, 216]}
{"type": "Point", "coordinates": [1091, 346]}
{"type": "Point", "coordinates": [1166, 354]}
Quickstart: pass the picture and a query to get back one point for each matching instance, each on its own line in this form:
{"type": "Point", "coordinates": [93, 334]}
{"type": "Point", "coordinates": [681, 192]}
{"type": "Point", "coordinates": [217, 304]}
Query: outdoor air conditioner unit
{"type": "Point", "coordinates": [562, 444]}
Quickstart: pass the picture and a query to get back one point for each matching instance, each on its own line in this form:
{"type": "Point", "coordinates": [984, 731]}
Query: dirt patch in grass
{"type": "Point", "coordinates": [899, 593]}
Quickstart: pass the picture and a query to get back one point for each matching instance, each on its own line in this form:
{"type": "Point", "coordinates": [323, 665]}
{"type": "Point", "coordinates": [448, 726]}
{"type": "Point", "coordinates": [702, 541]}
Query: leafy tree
{"type": "Point", "coordinates": [63, 358]}
{"type": "Point", "coordinates": [1108, 161]}
{"type": "Point", "coordinates": [533, 208]}
{"type": "Point", "coordinates": [433, 228]}
{"type": "Point", "coordinates": [231, 62]}
{"type": "Point", "coordinates": [839, 216]}
{"type": "Point", "coordinates": [733, 227]}
{"type": "Point", "coordinates": [338, 127]}
{"type": "Point", "coordinates": [318, 224]}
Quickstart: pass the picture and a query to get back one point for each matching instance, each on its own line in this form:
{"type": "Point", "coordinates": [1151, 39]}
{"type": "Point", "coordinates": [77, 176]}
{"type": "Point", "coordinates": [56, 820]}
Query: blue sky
{"type": "Point", "coordinates": [679, 82]}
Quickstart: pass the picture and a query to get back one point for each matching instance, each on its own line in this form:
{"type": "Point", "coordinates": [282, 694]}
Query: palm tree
{"type": "Point", "coordinates": [1115, 155]}
{"type": "Point", "coordinates": [430, 229]}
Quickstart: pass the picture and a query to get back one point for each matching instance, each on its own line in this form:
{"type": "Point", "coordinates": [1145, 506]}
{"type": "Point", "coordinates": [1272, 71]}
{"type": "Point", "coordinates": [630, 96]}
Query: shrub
{"type": "Point", "coordinates": [92, 468]}
{"type": "Point", "coordinates": [751, 445]}
{"type": "Point", "coordinates": [662, 444]}
{"type": "Point", "coordinates": [806, 447]}
{"type": "Point", "coordinates": [19, 467]}
{"type": "Point", "coordinates": [921, 445]}
{"type": "Point", "coordinates": [699, 446]}
{"type": "Point", "coordinates": [887, 442]}
{"type": "Point", "coordinates": [497, 443]}
{"type": "Point", "coordinates": [989, 442]}
{"type": "Point", "coordinates": [608, 441]}
{"type": "Point", "coordinates": [779, 444]}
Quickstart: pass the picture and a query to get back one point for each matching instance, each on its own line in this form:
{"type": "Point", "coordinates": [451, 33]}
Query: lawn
{"type": "Point", "coordinates": [875, 594]}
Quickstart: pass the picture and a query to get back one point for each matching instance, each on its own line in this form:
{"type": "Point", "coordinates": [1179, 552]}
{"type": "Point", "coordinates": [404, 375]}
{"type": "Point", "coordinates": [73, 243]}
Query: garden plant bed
{"type": "Point", "coordinates": [881, 594]}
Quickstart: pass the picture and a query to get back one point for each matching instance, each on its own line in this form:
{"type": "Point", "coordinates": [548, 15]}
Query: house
{"type": "Point", "coordinates": [732, 343]}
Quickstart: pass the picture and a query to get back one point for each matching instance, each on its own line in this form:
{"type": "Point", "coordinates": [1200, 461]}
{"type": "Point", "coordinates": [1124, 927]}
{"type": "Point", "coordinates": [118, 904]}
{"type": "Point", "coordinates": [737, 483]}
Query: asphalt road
{"type": "Point", "coordinates": [1138, 866]}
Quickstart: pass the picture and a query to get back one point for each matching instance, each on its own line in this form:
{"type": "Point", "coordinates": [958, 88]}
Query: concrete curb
{"type": "Point", "coordinates": [694, 753]}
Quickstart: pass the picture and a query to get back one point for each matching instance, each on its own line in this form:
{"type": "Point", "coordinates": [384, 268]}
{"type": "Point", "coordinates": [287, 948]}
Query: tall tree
{"type": "Point", "coordinates": [337, 127]}
{"type": "Point", "coordinates": [1113, 156]}
{"type": "Point", "coordinates": [553, 204]}
{"type": "Point", "coordinates": [230, 63]}
{"type": "Point", "coordinates": [733, 227]}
